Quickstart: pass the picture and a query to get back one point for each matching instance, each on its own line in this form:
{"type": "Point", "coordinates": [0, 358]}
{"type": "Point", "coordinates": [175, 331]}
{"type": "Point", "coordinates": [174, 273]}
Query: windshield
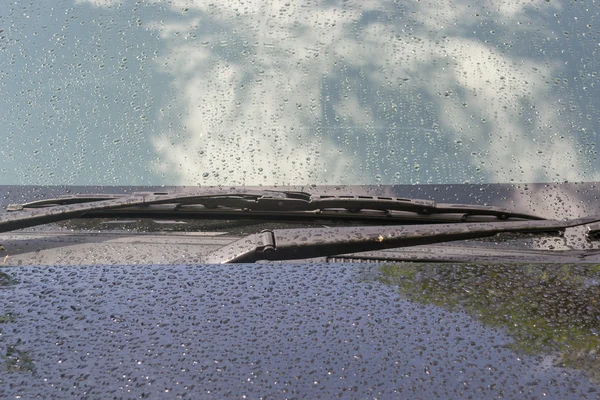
{"type": "Point", "coordinates": [118, 92]}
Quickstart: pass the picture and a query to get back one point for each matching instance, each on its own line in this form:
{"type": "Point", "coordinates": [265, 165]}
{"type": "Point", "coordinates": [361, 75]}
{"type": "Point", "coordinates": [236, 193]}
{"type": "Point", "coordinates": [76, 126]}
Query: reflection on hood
{"type": "Point", "coordinates": [547, 309]}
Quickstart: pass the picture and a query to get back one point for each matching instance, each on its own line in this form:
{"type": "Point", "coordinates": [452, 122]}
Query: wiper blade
{"type": "Point", "coordinates": [288, 201]}
{"type": "Point", "coordinates": [258, 202]}
{"type": "Point", "coordinates": [294, 244]}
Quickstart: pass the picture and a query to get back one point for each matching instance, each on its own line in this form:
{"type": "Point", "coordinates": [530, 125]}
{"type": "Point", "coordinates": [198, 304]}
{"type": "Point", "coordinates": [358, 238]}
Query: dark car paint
{"type": "Point", "coordinates": [80, 320]}
{"type": "Point", "coordinates": [260, 331]}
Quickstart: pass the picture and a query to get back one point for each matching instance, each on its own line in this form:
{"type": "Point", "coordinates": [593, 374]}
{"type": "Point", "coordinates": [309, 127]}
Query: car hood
{"type": "Point", "coordinates": [299, 330]}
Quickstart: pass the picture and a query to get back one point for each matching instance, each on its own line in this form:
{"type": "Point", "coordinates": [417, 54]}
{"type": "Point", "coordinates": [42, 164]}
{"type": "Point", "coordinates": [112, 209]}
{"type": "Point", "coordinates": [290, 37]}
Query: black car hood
{"type": "Point", "coordinates": [289, 331]}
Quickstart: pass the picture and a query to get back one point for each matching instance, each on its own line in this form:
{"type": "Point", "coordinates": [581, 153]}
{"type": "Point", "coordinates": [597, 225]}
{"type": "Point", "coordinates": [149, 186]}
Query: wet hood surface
{"type": "Point", "coordinates": [271, 331]}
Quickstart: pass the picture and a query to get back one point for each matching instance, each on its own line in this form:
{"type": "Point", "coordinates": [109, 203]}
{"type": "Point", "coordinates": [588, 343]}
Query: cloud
{"type": "Point", "coordinates": [280, 92]}
{"type": "Point", "coordinates": [101, 3]}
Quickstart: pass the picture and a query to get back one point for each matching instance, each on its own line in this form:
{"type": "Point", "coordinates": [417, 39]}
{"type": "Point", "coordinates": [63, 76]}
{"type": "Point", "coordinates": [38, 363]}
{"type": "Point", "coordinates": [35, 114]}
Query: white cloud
{"type": "Point", "coordinates": [249, 77]}
{"type": "Point", "coordinates": [101, 3]}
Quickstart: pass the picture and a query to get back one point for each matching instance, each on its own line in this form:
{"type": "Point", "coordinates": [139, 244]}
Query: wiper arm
{"type": "Point", "coordinates": [221, 203]}
{"type": "Point", "coordinates": [293, 244]}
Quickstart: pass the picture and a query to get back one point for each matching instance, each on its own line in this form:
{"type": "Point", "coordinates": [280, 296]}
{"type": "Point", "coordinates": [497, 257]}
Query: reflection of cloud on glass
{"type": "Point", "coordinates": [248, 110]}
{"type": "Point", "coordinates": [284, 93]}
{"type": "Point", "coordinates": [498, 97]}
{"type": "Point", "coordinates": [100, 3]}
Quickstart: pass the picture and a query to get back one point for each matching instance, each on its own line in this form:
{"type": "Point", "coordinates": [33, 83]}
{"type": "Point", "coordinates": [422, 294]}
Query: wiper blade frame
{"type": "Point", "coordinates": [94, 205]}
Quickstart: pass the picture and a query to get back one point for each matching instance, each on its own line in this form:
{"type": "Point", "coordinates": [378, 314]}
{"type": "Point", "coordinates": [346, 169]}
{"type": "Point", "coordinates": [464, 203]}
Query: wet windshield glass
{"type": "Point", "coordinates": [118, 92]}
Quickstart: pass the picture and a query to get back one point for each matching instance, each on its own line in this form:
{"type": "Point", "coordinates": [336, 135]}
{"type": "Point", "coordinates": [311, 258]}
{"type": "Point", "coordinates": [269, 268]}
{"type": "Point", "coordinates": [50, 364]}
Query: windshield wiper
{"type": "Point", "coordinates": [289, 244]}
{"type": "Point", "coordinates": [295, 244]}
{"type": "Point", "coordinates": [254, 204]}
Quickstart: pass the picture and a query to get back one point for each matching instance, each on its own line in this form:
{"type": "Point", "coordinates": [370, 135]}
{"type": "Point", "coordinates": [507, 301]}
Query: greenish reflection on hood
{"type": "Point", "coordinates": [547, 309]}
{"type": "Point", "coordinates": [14, 359]}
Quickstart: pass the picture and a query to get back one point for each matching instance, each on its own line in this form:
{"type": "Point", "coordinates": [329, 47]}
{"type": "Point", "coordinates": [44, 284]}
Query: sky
{"type": "Point", "coordinates": [285, 93]}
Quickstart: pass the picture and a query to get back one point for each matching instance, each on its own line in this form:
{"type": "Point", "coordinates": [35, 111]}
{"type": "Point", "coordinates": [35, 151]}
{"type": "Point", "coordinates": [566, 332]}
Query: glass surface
{"type": "Point", "coordinates": [108, 92]}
